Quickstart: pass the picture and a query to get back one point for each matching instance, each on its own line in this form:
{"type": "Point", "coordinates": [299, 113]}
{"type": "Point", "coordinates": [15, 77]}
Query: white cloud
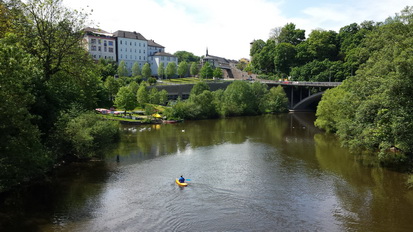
{"type": "Point", "coordinates": [226, 27]}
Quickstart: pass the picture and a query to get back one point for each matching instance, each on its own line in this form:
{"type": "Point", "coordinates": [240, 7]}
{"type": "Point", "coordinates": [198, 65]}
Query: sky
{"type": "Point", "coordinates": [227, 27]}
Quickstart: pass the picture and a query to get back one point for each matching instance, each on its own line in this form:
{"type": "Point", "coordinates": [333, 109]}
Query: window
{"type": "Point", "coordinates": [105, 43]}
{"type": "Point", "coordinates": [93, 48]}
{"type": "Point", "coordinates": [121, 42]}
{"type": "Point", "coordinates": [139, 58]}
{"type": "Point", "coordinates": [110, 43]}
{"type": "Point", "coordinates": [111, 50]}
{"type": "Point", "coordinates": [93, 41]}
{"type": "Point", "coordinates": [130, 43]}
{"type": "Point", "coordinates": [99, 41]}
{"type": "Point", "coordinates": [126, 56]}
{"type": "Point", "coordinates": [105, 49]}
{"type": "Point", "coordinates": [99, 49]}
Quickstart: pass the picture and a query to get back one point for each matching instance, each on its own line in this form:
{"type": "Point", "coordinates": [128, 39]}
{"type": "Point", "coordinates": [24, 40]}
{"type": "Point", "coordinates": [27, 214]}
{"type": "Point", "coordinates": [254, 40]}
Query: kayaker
{"type": "Point", "coordinates": [181, 179]}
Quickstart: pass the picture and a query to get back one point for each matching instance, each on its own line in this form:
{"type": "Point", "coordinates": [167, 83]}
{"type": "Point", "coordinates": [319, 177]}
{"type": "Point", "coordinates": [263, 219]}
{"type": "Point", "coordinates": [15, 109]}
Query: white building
{"type": "Point", "coordinates": [132, 47]}
{"type": "Point", "coordinates": [128, 46]}
{"type": "Point", "coordinates": [100, 44]}
{"type": "Point", "coordinates": [157, 55]}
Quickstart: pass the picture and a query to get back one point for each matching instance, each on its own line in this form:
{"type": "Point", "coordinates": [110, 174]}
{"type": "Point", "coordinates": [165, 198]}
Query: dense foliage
{"type": "Point", "coordinates": [323, 56]}
{"type": "Point", "coordinates": [45, 73]}
{"type": "Point", "coordinates": [374, 109]}
{"type": "Point", "coordinates": [240, 98]}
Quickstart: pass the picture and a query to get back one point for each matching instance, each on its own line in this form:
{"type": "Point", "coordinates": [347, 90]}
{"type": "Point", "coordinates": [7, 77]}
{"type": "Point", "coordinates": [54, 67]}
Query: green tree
{"type": "Point", "coordinates": [289, 34]}
{"type": "Point", "coordinates": [323, 45]}
{"type": "Point", "coordinates": [163, 97]}
{"type": "Point", "coordinates": [199, 88]}
{"type": "Point", "coordinates": [106, 68]}
{"type": "Point", "coordinates": [371, 110]}
{"type": "Point", "coordinates": [284, 57]}
{"type": "Point", "coordinates": [154, 96]}
{"type": "Point", "coordinates": [161, 70]}
{"type": "Point", "coordinates": [239, 99]}
{"type": "Point", "coordinates": [276, 100]}
{"type": "Point", "coordinates": [146, 71]}
{"type": "Point", "coordinates": [122, 69]}
{"type": "Point", "coordinates": [182, 68]}
{"type": "Point", "coordinates": [83, 134]}
{"type": "Point", "coordinates": [218, 73]}
{"type": "Point", "coordinates": [186, 56]}
{"type": "Point", "coordinates": [18, 73]}
{"type": "Point", "coordinates": [52, 34]}
{"type": "Point", "coordinates": [259, 90]}
{"type": "Point", "coordinates": [206, 71]}
{"type": "Point", "coordinates": [112, 85]}
{"type": "Point", "coordinates": [136, 70]}
{"type": "Point", "coordinates": [194, 70]}
{"type": "Point", "coordinates": [142, 94]}
{"type": "Point", "coordinates": [171, 70]}
{"type": "Point", "coordinates": [125, 99]}
{"type": "Point", "coordinates": [256, 47]}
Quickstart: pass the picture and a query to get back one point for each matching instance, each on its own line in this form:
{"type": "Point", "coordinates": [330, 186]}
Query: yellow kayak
{"type": "Point", "coordinates": [181, 184]}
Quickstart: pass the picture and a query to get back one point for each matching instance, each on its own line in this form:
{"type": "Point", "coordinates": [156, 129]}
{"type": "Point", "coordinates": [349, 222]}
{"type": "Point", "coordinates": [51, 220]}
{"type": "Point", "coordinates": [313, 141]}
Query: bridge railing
{"type": "Point", "coordinates": [303, 83]}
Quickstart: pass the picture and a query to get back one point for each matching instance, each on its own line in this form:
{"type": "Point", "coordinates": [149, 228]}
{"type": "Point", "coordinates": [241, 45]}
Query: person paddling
{"type": "Point", "coordinates": [181, 179]}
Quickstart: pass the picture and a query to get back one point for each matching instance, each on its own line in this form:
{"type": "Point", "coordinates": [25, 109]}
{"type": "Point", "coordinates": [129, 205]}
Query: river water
{"type": "Point", "coordinates": [264, 173]}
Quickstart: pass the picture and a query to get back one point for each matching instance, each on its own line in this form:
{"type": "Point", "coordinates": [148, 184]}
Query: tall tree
{"type": "Point", "coordinates": [289, 34]}
{"type": "Point", "coordinates": [182, 68]}
{"type": "Point", "coordinates": [122, 69]}
{"type": "Point", "coordinates": [136, 69]}
{"type": "Point", "coordinates": [18, 135]}
{"type": "Point", "coordinates": [161, 70]}
{"type": "Point", "coordinates": [125, 99]}
{"type": "Point", "coordinates": [146, 70]}
{"type": "Point", "coordinates": [194, 70]}
{"type": "Point", "coordinates": [171, 70]}
{"type": "Point", "coordinates": [142, 94]}
{"type": "Point", "coordinates": [206, 71]}
{"type": "Point", "coordinates": [218, 72]}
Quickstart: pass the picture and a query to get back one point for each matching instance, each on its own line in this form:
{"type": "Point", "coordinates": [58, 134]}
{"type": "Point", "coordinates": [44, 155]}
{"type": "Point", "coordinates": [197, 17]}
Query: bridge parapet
{"type": "Point", "coordinates": [303, 83]}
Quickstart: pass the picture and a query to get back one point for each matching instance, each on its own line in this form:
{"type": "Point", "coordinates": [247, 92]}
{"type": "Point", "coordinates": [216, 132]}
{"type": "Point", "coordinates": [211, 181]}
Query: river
{"type": "Point", "coordinates": [263, 173]}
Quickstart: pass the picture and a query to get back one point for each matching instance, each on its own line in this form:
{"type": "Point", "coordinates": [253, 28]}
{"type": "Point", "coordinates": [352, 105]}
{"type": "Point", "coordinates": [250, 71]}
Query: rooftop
{"type": "Point", "coordinates": [153, 44]}
{"type": "Point", "coordinates": [129, 35]}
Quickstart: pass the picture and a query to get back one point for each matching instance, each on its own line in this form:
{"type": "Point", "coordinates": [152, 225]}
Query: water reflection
{"type": "Point", "coordinates": [272, 172]}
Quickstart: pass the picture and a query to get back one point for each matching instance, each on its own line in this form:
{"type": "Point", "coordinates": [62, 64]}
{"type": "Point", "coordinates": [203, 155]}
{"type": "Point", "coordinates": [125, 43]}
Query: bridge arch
{"type": "Point", "coordinates": [304, 105]}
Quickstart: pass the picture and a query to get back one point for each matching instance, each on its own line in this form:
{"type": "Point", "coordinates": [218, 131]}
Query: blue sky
{"type": "Point", "coordinates": [227, 27]}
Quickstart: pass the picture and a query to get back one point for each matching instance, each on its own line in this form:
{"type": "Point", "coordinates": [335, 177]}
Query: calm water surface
{"type": "Point", "coordinates": [266, 173]}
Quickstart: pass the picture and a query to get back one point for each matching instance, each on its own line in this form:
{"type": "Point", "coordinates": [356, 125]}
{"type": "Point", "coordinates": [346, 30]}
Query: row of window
{"type": "Point", "coordinates": [105, 57]}
{"type": "Point", "coordinates": [130, 50]}
{"type": "Point", "coordinates": [99, 48]}
{"type": "Point", "coordinates": [99, 41]}
{"type": "Point", "coordinates": [131, 57]}
{"type": "Point", "coordinates": [130, 43]}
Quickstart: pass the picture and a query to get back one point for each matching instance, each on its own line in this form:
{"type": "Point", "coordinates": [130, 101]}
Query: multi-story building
{"type": "Point", "coordinates": [100, 44]}
{"type": "Point", "coordinates": [157, 55]}
{"type": "Point", "coordinates": [130, 47]}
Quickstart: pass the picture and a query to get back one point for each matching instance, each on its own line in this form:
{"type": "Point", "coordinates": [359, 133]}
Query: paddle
{"type": "Point", "coordinates": [187, 179]}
